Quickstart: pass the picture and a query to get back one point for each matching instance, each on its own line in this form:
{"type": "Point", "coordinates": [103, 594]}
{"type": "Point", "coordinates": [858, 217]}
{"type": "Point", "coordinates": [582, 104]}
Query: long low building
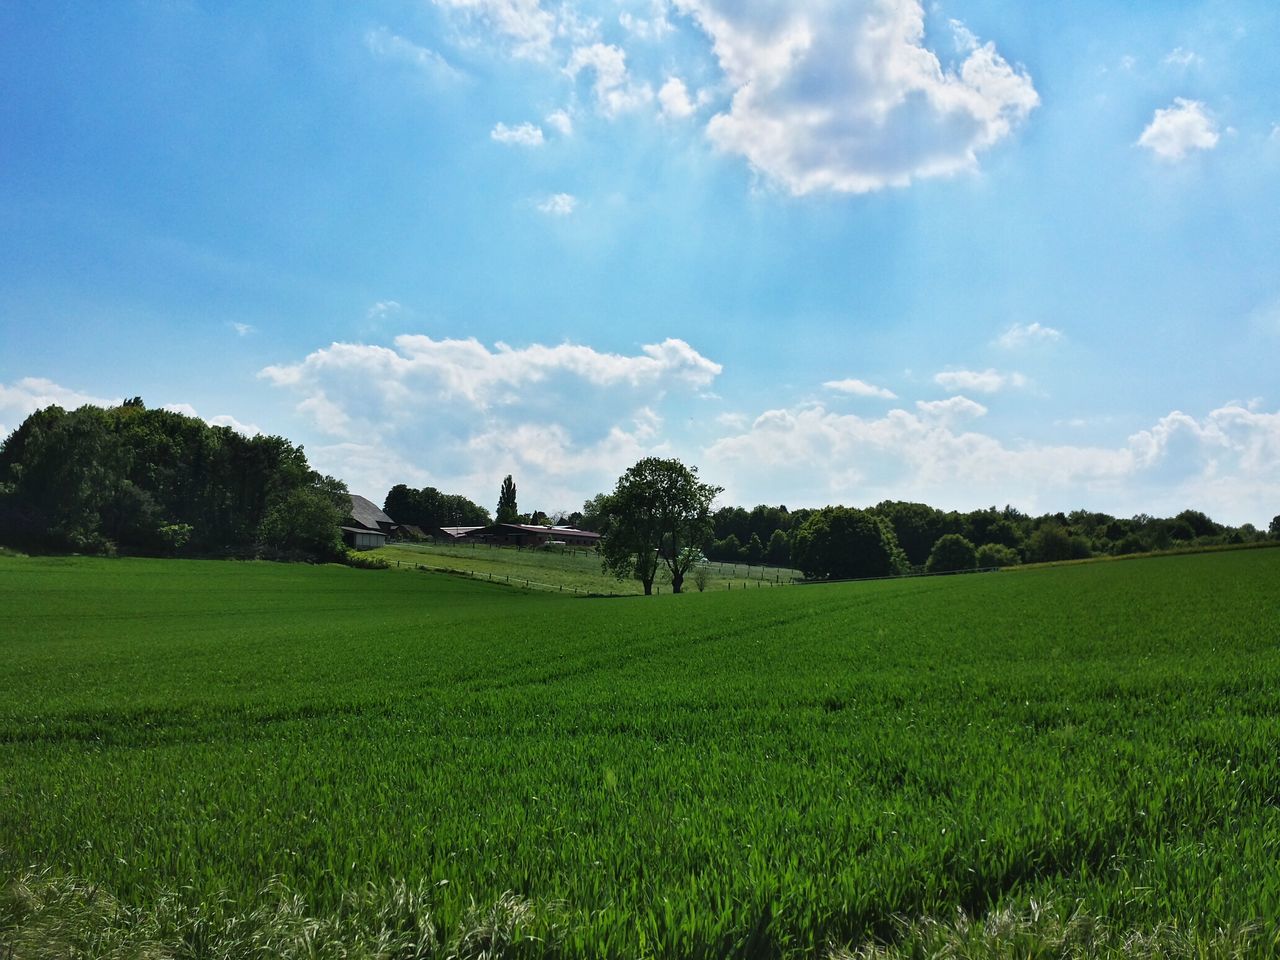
{"type": "Point", "coordinates": [532, 535]}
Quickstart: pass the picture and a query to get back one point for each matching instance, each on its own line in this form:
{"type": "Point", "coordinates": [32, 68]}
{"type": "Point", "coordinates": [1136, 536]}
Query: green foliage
{"type": "Point", "coordinates": [150, 482]}
{"type": "Point", "coordinates": [508, 510]}
{"type": "Point", "coordinates": [996, 555]}
{"type": "Point", "coordinates": [839, 543]}
{"type": "Point", "coordinates": [917, 527]}
{"type": "Point", "coordinates": [779, 550]}
{"type": "Point", "coordinates": [755, 550]}
{"type": "Point", "coordinates": [274, 752]}
{"type": "Point", "coordinates": [657, 511]}
{"type": "Point", "coordinates": [1051, 543]}
{"type": "Point", "coordinates": [1274, 527]}
{"type": "Point", "coordinates": [952, 553]}
{"type": "Point", "coordinates": [429, 509]}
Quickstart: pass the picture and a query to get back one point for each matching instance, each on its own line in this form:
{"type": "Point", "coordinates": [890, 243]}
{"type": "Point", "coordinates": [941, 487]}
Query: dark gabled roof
{"type": "Point", "coordinates": [457, 531]}
{"type": "Point", "coordinates": [553, 532]}
{"type": "Point", "coordinates": [375, 532]}
{"type": "Point", "coordinates": [366, 514]}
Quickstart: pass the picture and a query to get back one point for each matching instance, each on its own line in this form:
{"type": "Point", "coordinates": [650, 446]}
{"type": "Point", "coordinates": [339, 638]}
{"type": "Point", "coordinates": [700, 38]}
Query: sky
{"type": "Point", "coordinates": [967, 252]}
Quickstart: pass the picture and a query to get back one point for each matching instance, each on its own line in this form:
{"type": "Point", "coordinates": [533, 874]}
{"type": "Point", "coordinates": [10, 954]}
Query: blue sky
{"type": "Point", "coordinates": [967, 252]}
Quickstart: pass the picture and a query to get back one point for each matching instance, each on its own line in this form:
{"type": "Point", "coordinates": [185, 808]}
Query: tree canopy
{"type": "Point", "coordinates": [157, 482]}
{"type": "Point", "coordinates": [429, 509]}
{"type": "Point", "coordinates": [658, 513]}
{"type": "Point", "coordinates": [841, 543]}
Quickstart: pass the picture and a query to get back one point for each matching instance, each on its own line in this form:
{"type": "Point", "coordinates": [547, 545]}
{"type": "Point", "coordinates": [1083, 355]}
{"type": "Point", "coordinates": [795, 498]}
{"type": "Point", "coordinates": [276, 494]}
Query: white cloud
{"type": "Point", "coordinates": [951, 409]}
{"type": "Point", "coordinates": [559, 204]}
{"type": "Point", "coordinates": [381, 42]}
{"type": "Point", "coordinates": [523, 135]}
{"type": "Point", "coordinates": [222, 420]}
{"type": "Point", "coordinates": [527, 28]}
{"type": "Point", "coordinates": [614, 89]}
{"type": "Point", "coordinates": [1181, 57]}
{"type": "Point", "coordinates": [565, 419]}
{"type": "Point", "coordinates": [674, 99]}
{"type": "Point", "coordinates": [561, 122]}
{"type": "Point", "coordinates": [653, 27]}
{"type": "Point", "coordinates": [860, 388]}
{"type": "Point", "coordinates": [1227, 463]}
{"type": "Point", "coordinates": [1024, 334]}
{"type": "Point", "coordinates": [383, 308]}
{"type": "Point", "coordinates": [1175, 131]}
{"type": "Point", "coordinates": [844, 96]}
{"type": "Point", "coordinates": [242, 329]}
{"type": "Point", "coordinates": [982, 381]}
{"type": "Point", "coordinates": [24, 397]}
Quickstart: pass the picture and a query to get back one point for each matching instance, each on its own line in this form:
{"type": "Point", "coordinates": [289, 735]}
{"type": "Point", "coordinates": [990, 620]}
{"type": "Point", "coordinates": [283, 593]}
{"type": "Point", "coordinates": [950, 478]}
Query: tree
{"type": "Point", "coordinates": [952, 552]}
{"type": "Point", "coordinates": [1051, 542]}
{"type": "Point", "coordinates": [779, 550]}
{"type": "Point", "coordinates": [657, 511]}
{"type": "Point", "coordinates": [839, 543]}
{"type": "Point", "coordinates": [507, 509]}
{"type": "Point", "coordinates": [755, 550]}
{"type": "Point", "coordinates": [997, 555]}
{"type": "Point", "coordinates": [1274, 528]}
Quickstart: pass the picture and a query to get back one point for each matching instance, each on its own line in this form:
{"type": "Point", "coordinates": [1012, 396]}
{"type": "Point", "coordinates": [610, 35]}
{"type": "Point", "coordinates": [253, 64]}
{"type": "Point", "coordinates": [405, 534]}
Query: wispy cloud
{"type": "Point", "coordinates": [614, 89]}
{"type": "Point", "coordinates": [1177, 130]}
{"type": "Point", "coordinates": [559, 204]}
{"type": "Point", "coordinates": [1026, 334]}
{"type": "Point", "coordinates": [242, 329]}
{"type": "Point", "coordinates": [561, 122]}
{"type": "Point", "coordinates": [980, 381]}
{"type": "Point", "coordinates": [382, 43]}
{"type": "Point", "coordinates": [1182, 57]}
{"type": "Point", "coordinates": [860, 388]}
{"type": "Point", "coordinates": [522, 135]}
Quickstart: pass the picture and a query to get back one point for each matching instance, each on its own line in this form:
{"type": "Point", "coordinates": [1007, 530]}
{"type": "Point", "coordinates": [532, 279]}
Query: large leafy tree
{"type": "Point", "coordinates": [841, 543]}
{"type": "Point", "coordinates": [658, 514]}
{"type": "Point", "coordinates": [507, 509]}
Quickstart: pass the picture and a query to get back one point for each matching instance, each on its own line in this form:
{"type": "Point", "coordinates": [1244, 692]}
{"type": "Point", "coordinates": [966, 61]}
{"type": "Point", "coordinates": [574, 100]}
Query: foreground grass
{"type": "Point", "coordinates": [203, 750]}
{"type": "Point", "coordinates": [573, 571]}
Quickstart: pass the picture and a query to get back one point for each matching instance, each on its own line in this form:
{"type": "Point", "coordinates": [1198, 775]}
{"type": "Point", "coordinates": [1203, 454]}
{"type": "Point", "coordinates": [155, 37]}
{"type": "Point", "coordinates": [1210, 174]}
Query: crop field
{"type": "Point", "coordinates": [234, 759]}
{"type": "Point", "coordinates": [573, 571]}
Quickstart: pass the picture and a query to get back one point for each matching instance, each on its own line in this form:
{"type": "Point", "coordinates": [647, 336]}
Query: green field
{"type": "Point", "coordinates": [570, 571]}
{"type": "Point", "coordinates": [221, 750]}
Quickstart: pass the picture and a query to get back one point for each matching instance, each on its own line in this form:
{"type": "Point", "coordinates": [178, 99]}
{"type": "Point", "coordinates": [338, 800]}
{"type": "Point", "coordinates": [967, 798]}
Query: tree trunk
{"type": "Point", "coordinates": [677, 581]}
{"type": "Point", "coordinates": [648, 587]}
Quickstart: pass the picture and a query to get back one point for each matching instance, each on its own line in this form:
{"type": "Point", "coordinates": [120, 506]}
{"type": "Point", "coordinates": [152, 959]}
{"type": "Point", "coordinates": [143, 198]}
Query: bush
{"type": "Point", "coordinates": [952, 552]}
{"type": "Point", "coordinates": [362, 561]}
{"type": "Point", "coordinates": [997, 555]}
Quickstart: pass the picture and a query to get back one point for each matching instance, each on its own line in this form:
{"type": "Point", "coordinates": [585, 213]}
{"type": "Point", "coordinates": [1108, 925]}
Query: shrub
{"type": "Point", "coordinates": [997, 555]}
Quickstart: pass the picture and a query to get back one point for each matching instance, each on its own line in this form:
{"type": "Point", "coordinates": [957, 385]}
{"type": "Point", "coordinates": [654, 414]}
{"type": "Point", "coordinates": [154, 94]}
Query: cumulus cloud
{"type": "Point", "coordinates": [558, 204]}
{"type": "Point", "coordinates": [674, 99]}
{"type": "Point", "coordinates": [860, 388]}
{"type": "Point", "coordinates": [386, 45]}
{"type": "Point", "coordinates": [1227, 463]}
{"type": "Point", "coordinates": [654, 26]}
{"type": "Point", "coordinates": [1027, 334]}
{"type": "Point", "coordinates": [844, 96]}
{"type": "Point", "coordinates": [222, 420]}
{"type": "Point", "coordinates": [523, 135]}
{"type": "Point", "coordinates": [1177, 130]}
{"type": "Point", "coordinates": [614, 89]}
{"type": "Point", "coordinates": [561, 122]}
{"type": "Point", "coordinates": [567, 416]}
{"type": "Point", "coordinates": [24, 397]}
{"type": "Point", "coordinates": [980, 381]}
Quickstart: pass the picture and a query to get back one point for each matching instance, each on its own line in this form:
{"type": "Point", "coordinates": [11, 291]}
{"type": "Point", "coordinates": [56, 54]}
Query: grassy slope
{"type": "Point", "coordinates": [683, 774]}
{"type": "Point", "coordinates": [576, 570]}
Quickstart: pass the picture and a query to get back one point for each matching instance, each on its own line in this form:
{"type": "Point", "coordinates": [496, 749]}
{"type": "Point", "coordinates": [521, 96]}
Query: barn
{"type": "Point", "coordinates": [532, 535]}
{"type": "Point", "coordinates": [367, 526]}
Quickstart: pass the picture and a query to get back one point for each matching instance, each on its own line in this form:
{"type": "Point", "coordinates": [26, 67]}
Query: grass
{"type": "Point", "coordinates": [194, 751]}
{"type": "Point", "coordinates": [570, 571]}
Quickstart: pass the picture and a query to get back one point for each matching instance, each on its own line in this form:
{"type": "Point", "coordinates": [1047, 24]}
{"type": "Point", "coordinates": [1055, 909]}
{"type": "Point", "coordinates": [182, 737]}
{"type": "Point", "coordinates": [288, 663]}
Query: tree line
{"type": "Point", "coordinates": [998, 537]}
{"type": "Point", "coordinates": [154, 482]}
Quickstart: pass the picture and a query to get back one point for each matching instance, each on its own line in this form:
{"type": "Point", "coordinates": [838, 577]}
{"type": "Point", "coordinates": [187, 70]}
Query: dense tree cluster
{"type": "Point", "coordinates": [156, 482]}
{"type": "Point", "coordinates": [429, 509]}
{"type": "Point", "coordinates": [997, 538]}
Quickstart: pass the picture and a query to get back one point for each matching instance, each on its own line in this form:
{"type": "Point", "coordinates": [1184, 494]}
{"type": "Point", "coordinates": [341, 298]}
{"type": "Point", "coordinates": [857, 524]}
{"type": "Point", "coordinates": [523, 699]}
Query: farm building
{"type": "Point", "coordinates": [367, 526]}
{"type": "Point", "coordinates": [530, 535]}
{"type": "Point", "coordinates": [453, 534]}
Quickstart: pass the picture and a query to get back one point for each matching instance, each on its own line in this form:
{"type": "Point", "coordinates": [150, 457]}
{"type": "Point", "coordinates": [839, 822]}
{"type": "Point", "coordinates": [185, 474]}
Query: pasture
{"type": "Point", "coordinates": [457, 767]}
